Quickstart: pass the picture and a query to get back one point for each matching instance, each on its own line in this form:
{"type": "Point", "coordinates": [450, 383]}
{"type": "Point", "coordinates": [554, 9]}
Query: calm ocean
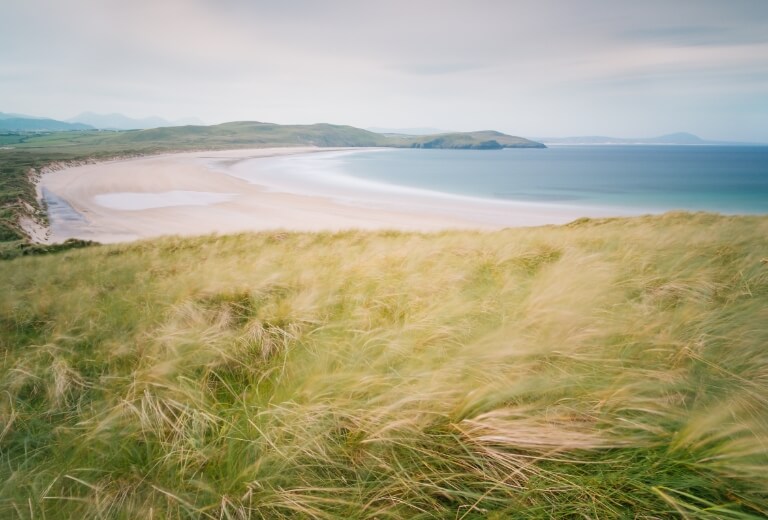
{"type": "Point", "coordinates": [727, 179]}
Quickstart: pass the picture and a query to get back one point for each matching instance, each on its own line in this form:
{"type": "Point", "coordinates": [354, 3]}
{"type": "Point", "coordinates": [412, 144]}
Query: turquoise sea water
{"type": "Point", "coordinates": [727, 179]}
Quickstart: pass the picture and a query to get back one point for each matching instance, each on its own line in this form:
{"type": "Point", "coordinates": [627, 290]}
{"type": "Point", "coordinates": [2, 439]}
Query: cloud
{"type": "Point", "coordinates": [396, 63]}
{"type": "Point", "coordinates": [440, 69]}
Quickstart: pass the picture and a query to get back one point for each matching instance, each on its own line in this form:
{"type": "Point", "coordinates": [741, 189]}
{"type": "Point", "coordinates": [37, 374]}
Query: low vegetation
{"type": "Point", "coordinates": [486, 140]}
{"type": "Point", "coordinates": [604, 369]}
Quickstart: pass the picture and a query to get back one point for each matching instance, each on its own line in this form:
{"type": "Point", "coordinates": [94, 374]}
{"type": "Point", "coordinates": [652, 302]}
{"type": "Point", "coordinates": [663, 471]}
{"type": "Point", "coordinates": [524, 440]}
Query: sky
{"type": "Point", "coordinates": [530, 68]}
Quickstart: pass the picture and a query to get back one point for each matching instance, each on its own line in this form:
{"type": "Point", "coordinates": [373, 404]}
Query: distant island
{"type": "Point", "coordinates": [679, 138]}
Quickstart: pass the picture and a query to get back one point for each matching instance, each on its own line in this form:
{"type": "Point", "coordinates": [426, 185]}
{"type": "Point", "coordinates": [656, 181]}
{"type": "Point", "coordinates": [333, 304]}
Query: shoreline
{"type": "Point", "coordinates": [252, 199]}
{"type": "Point", "coordinates": [369, 190]}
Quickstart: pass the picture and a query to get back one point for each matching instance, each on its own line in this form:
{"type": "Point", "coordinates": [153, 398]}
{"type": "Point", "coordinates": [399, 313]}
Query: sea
{"type": "Point", "coordinates": [629, 179]}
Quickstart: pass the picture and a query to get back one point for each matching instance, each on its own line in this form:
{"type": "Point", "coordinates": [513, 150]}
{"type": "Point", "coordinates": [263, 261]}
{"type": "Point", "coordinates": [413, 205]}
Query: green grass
{"type": "Point", "coordinates": [604, 369]}
{"type": "Point", "coordinates": [487, 139]}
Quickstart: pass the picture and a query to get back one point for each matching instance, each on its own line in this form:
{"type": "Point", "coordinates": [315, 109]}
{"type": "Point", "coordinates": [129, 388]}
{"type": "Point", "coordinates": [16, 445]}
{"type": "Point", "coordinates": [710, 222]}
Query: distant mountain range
{"type": "Point", "coordinates": [23, 123]}
{"type": "Point", "coordinates": [121, 122]}
{"type": "Point", "coordinates": [11, 122]}
{"type": "Point", "coordinates": [680, 138]}
{"type": "Point", "coordinates": [5, 115]}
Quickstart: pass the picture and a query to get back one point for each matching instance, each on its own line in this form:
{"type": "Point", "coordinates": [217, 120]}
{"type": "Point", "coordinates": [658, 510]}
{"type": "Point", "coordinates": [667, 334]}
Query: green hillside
{"type": "Point", "coordinates": [241, 134]}
{"type": "Point", "coordinates": [604, 369]}
{"type": "Point", "coordinates": [248, 133]}
{"type": "Point", "coordinates": [484, 140]}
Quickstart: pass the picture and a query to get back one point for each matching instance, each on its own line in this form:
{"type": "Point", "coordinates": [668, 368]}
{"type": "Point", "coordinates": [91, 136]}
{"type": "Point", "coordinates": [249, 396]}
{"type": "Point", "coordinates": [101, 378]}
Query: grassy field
{"type": "Point", "coordinates": [603, 369]}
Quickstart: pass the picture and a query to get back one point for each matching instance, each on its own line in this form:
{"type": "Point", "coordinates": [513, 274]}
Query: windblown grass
{"type": "Point", "coordinates": [605, 369]}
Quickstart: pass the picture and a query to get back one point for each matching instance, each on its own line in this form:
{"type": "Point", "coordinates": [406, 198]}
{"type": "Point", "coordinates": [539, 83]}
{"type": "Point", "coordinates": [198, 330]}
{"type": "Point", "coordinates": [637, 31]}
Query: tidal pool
{"type": "Point", "coordinates": [134, 201]}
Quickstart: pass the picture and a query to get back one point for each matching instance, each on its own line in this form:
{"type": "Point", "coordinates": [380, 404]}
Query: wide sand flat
{"type": "Point", "coordinates": [254, 205]}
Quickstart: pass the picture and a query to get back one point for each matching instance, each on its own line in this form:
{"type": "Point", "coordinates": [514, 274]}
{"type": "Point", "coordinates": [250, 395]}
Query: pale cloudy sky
{"type": "Point", "coordinates": [531, 68]}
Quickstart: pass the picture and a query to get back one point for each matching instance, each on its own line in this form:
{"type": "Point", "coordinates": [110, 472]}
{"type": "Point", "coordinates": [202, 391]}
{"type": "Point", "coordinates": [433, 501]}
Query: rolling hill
{"type": "Point", "coordinates": [250, 133]}
{"type": "Point", "coordinates": [23, 124]}
{"type": "Point", "coordinates": [482, 140]}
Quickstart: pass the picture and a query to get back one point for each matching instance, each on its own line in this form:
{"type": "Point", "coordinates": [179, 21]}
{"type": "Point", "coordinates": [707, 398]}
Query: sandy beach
{"type": "Point", "coordinates": [205, 192]}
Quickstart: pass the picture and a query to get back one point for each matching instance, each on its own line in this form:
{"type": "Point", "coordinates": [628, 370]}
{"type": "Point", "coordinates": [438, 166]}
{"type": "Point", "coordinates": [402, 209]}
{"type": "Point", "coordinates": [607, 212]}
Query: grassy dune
{"type": "Point", "coordinates": [604, 369]}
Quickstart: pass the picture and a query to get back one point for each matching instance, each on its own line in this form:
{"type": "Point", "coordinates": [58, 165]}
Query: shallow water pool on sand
{"type": "Point", "coordinates": [134, 201]}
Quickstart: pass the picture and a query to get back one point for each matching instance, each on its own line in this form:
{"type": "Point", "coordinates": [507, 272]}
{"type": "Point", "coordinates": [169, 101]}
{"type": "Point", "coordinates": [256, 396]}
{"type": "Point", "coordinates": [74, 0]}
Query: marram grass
{"type": "Point", "coordinates": [605, 369]}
